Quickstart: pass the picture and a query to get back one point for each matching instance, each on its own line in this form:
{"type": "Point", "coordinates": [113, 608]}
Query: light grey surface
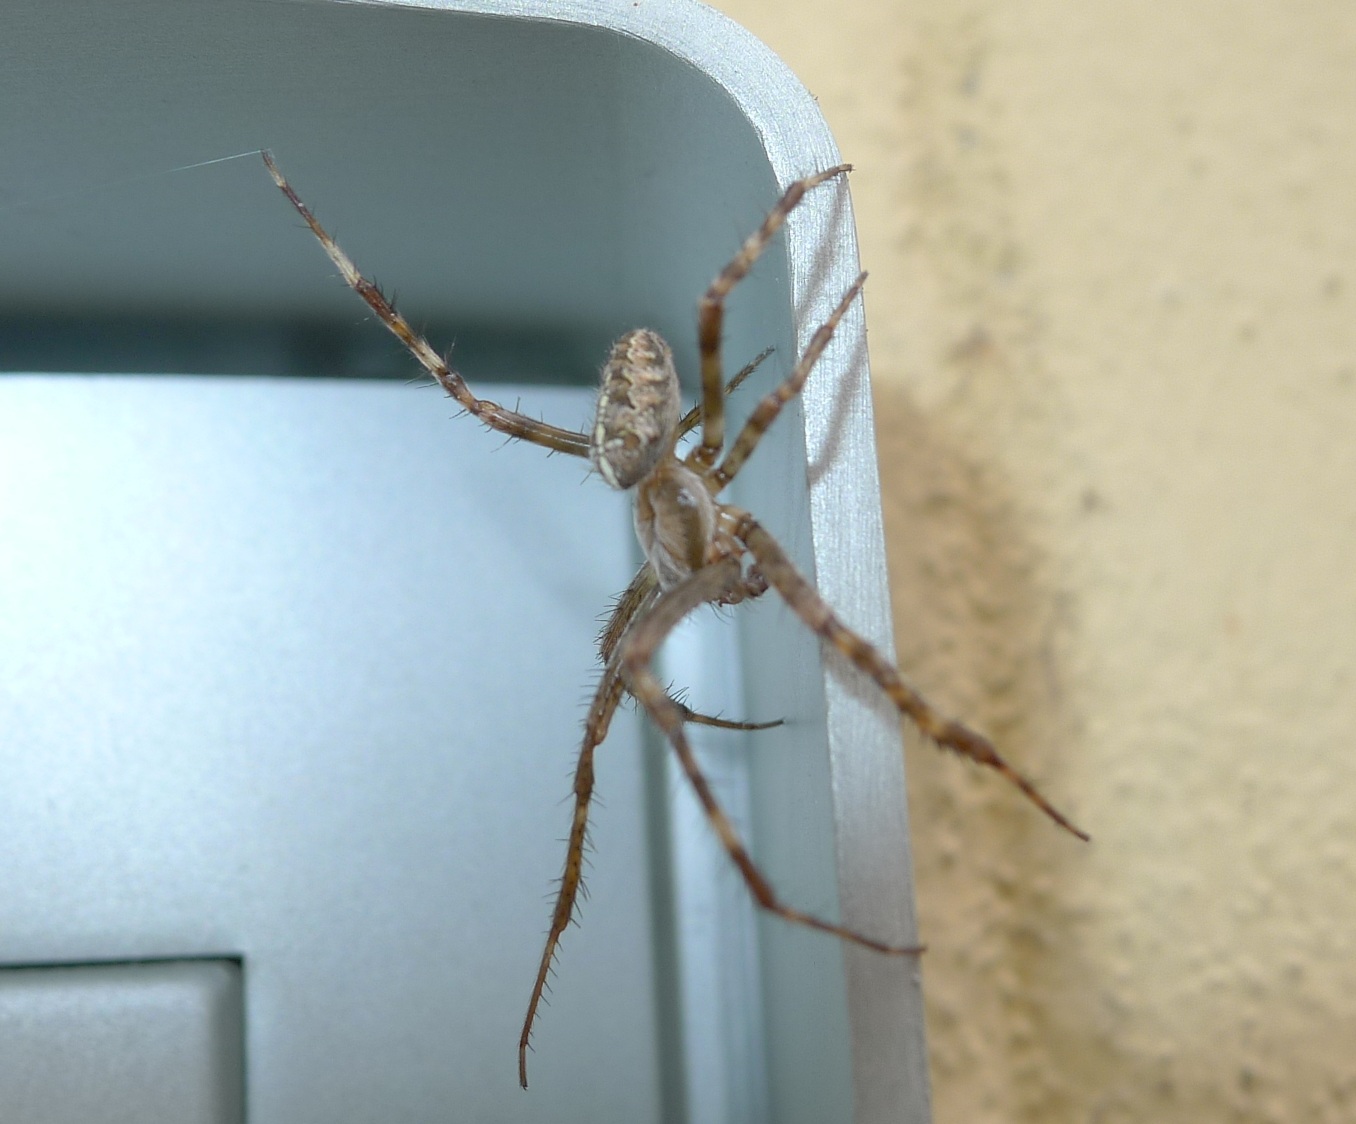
{"type": "Point", "coordinates": [155, 1043]}
{"type": "Point", "coordinates": [274, 701]}
{"type": "Point", "coordinates": [564, 178]}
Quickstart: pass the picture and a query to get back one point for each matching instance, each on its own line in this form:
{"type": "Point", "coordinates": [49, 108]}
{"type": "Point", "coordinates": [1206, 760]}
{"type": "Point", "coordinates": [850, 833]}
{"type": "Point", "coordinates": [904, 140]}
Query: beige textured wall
{"type": "Point", "coordinates": [1113, 332]}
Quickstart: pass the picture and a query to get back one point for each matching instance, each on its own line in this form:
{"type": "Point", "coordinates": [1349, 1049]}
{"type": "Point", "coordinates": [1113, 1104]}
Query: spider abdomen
{"type": "Point", "coordinates": [638, 409]}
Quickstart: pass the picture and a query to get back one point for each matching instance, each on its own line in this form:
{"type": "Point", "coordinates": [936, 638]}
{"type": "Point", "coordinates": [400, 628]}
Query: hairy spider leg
{"type": "Point", "coordinates": [605, 702]}
{"type": "Point", "coordinates": [710, 583]}
{"type": "Point", "coordinates": [814, 611]}
{"type": "Point", "coordinates": [711, 313]}
{"type": "Point", "coordinates": [765, 413]}
{"type": "Point", "coordinates": [694, 415]}
{"type": "Point", "coordinates": [716, 722]}
{"type": "Point", "coordinates": [634, 601]}
{"type": "Point", "coordinates": [497, 417]}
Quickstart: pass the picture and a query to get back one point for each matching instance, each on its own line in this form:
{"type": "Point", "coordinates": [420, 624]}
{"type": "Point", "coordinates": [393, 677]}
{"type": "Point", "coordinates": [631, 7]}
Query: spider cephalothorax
{"type": "Point", "coordinates": [698, 550]}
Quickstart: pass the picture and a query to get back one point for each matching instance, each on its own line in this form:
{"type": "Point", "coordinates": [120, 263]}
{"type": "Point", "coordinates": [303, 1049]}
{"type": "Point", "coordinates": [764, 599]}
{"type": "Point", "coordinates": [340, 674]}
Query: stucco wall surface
{"type": "Point", "coordinates": [1113, 332]}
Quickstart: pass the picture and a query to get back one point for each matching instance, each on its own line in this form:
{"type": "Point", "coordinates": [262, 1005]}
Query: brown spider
{"type": "Point", "coordinates": [695, 548]}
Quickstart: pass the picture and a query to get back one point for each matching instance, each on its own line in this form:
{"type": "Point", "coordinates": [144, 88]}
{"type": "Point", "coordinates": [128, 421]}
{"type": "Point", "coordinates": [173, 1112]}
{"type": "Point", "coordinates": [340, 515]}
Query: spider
{"type": "Point", "coordinates": [698, 550]}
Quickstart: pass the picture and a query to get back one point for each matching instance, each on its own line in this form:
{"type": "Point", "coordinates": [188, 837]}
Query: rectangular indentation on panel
{"type": "Point", "coordinates": [127, 1043]}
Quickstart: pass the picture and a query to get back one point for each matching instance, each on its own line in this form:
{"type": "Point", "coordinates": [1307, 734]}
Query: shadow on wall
{"type": "Point", "coordinates": [978, 627]}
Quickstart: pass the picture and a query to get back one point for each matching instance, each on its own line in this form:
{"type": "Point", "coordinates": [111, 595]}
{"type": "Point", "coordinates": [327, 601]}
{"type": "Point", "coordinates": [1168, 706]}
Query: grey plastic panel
{"type": "Point", "coordinates": [274, 701]}
{"type": "Point", "coordinates": [122, 1044]}
{"type": "Point", "coordinates": [558, 176]}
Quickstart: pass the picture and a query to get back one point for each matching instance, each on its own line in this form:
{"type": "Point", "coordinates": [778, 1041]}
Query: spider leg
{"type": "Point", "coordinates": [604, 706]}
{"type": "Point", "coordinates": [711, 313]}
{"type": "Point", "coordinates": [694, 415]}
{"type": "Point", "coordinates": [644, 638]}
{"type": "Point", "coordinates": [606, 699]}
{"type": "Point", "coordinates": [805, 601]}
{"type": "Point", "coordinates": [636, 598]}
{"type": "Point", "coordinates": [699, 719]}
{"type": "Point", "coordinates": [765, 413]}
{"type": "Point", "coordinates": [495, 416]}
